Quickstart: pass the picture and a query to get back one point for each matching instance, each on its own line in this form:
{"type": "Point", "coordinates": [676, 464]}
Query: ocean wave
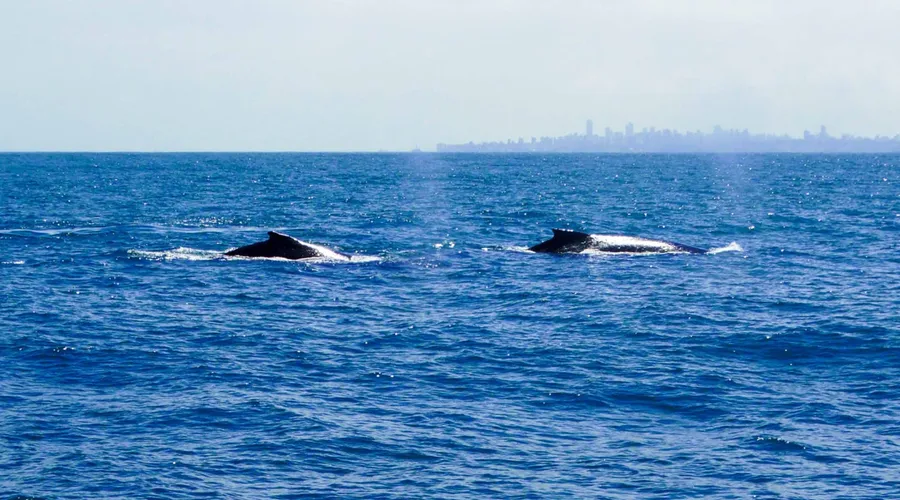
{"type": "Point", "coordinates": [63, 231]}
{"type": "Point", "coordinates": [731, 247]}
{"type": "Point", "coordinates": [512, 248]}
{"type": "Point", "coordinates": [180, 253]}
{"type": "Point", "coordinates": [500, 357]}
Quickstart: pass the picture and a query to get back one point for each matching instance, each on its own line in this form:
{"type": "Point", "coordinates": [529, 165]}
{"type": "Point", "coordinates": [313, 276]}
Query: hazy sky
{"type": "Point", "coordinates": [367, 75]}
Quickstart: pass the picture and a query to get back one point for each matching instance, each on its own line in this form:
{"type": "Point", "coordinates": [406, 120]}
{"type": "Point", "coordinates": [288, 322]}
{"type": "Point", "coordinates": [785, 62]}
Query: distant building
{"type": "Point", "coordinates": [651, 140]}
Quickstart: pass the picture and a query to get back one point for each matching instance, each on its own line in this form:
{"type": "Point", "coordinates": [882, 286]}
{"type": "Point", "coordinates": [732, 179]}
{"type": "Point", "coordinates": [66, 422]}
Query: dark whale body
{"type": "Point", "coordinates": [568, 241]}
{"type": "Point", "coordinates": [285, 247]}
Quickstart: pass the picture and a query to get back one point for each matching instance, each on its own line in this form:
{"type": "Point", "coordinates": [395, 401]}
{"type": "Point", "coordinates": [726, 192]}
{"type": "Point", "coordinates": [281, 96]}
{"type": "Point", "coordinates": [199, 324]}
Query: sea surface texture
{"type": "Point", "coordinates": [445, 360]}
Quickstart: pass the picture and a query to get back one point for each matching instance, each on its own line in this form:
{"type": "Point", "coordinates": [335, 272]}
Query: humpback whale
{"type": "Point", "coordinates": [568, 241]}
{"type": "Point", "coordinates": [285, 247]}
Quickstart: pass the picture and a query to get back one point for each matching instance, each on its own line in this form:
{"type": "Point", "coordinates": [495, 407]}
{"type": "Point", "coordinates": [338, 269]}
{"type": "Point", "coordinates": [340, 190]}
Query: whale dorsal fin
{"type": "Point", "coordinates": [564, 240]}
{"type": "Point", "coordinates": [273, 236]}
{"type": "Point", "coordinates": [566, 235]}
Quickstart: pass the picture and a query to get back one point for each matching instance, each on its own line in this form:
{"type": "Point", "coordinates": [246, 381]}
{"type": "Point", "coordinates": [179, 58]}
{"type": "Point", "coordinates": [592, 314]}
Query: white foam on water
{"type": "Point", "coordinates": [55, 232]}
{"type": "Point", "coordinates": [362, 259]}
{"type": "Point", "coordinates": [731, 247]}
{"type": "Point", "coordinates": [180, 253]}
{"type": "Point", "coordinates": [13, 263]}
{"type": "Point", "coordinates": [519, 249]}
{"type": "Point", "coordinates": [327, 254]}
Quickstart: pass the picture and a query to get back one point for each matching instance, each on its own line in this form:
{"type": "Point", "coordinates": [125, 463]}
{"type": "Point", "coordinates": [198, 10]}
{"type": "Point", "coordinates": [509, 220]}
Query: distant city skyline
{"type": "Point", "coordinates": [351, 75]}
{"type": "Point", "coordinates": [665, 140]}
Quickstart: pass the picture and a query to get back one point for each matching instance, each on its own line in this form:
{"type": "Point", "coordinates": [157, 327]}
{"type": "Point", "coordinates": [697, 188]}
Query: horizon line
{"type": "Point", "coordinates": [407, 151]}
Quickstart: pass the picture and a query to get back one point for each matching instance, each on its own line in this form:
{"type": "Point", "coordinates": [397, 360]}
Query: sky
{"type": "Point", "coordinates": [367, 75]}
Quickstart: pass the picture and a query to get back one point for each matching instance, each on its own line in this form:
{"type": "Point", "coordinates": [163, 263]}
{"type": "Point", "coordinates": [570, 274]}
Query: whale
{"type": "Point", "coordinates": [286, 247]}
{"type": "Point", "coordinates": [569, 241]}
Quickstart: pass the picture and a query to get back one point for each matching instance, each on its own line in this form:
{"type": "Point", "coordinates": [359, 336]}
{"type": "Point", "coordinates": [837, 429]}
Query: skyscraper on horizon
{"type": "Point", "coordinates": [651, 140]}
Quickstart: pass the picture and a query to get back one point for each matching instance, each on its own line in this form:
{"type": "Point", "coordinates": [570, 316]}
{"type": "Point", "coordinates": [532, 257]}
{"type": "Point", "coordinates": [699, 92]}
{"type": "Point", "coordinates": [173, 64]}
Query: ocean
{"type": "Point", "coordinates": [445, 360]}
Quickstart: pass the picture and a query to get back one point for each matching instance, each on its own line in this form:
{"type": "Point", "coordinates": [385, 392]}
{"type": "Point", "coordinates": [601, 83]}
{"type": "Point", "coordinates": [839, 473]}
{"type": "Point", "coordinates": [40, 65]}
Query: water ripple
{"type": "Point", "coordinates": [447, 360]}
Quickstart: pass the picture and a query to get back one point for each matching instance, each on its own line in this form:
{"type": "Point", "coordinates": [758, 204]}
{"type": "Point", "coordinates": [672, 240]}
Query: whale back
{"type": "Point", "coordinates": [568, 241]}
{"type": "Point", "coordinates": [285, 247]}
{"type": "Point", "coordinates": [564, 241]}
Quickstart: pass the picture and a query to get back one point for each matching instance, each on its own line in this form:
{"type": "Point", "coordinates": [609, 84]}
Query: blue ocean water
{"type": "Point", "coordinates": [445, 360]}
